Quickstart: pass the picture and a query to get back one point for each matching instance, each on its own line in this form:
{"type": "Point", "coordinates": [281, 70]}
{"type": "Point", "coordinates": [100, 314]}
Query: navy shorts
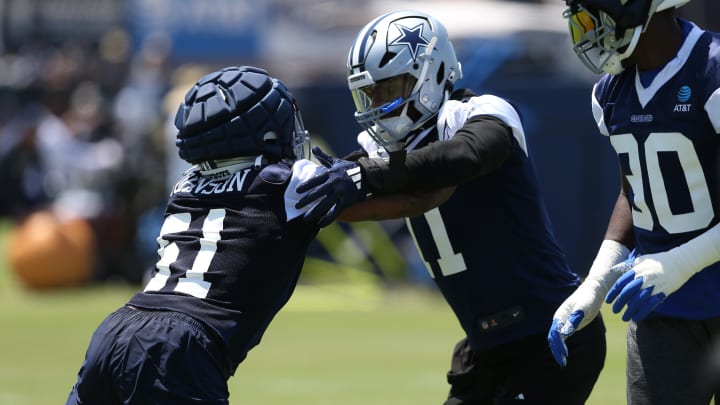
{"type": "Point", "coordinates": [151, 357]}
{"type": "Point", "coordinates": [524, 371]}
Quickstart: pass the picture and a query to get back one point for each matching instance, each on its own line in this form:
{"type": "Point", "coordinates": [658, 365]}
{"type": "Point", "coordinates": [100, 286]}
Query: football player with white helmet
{"type": "Point", "coordinates": [659, 106]}
{"type": "Point", "coordinates": [230, 250]}
{"type": "Point", "coordinates": [457, 166]}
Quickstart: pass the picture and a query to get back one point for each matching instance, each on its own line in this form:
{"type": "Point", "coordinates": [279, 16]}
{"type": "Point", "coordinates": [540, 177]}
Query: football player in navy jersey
{"type": "Point", "coordinates": [659, 105]}
{"type": "Point", "coordinates": [457, 166]}
{"type": "Point", "coordinates": [230, 250]}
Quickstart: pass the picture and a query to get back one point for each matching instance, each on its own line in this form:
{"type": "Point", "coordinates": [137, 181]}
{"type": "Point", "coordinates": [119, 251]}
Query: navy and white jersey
{"type": "Point", "coordinates": [666, 136]}
{"type": "Point", "coordinates": [231, 250]}
{"type": "Point", "coordinates": [490, 248]}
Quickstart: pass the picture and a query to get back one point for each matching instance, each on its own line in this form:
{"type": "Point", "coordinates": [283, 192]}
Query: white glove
{"type": "Point", "coordinates": [655, 276]}
{"type": "Point", "coordinates": [583, 305]}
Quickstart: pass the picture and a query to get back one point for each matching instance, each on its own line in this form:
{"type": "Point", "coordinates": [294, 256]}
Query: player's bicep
{"type": "Point", "coordinates": [399, 205]}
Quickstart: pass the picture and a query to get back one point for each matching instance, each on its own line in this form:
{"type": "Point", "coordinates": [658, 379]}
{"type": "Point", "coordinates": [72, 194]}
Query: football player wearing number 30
{"type": "Point", "coordinates": [230, 250]}
{"type": "Point", "coordinates": [457, 165]}
{"type": "Point", "coordinates": [659, 106]}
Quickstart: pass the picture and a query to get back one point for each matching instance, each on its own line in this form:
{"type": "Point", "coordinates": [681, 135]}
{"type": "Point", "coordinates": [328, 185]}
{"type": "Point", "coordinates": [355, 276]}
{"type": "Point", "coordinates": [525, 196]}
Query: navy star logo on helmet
{"type": "Point", "coordinates": [412, 37]}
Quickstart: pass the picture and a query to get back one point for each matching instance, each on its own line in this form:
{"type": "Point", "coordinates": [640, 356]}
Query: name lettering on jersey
{"type": "Point", "coordinates": [209, 185]}
{"type": "Point", "coordinates": [641, 118]}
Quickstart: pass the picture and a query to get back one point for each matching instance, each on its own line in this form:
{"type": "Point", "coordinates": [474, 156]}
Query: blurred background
{"type": "Point", "coordinates": [88, 92]}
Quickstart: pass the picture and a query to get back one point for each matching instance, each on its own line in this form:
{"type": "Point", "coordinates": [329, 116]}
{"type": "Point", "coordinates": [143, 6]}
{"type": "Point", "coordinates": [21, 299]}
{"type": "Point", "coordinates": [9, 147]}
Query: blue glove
{"type": "Point", "coordinates": [332, 190]}
{"type": "Point", "coordinates": [635, 288]}
{"type": "Point", "coordinates": [583, 305]}
{"type": "Point", "coordinates": [559, 331]}
{"type": "Point", "coordinates": [629, 291]}
{"type": "Point", "coordinates": [655, 276]}
{"type": "Point", "coordinates": [324, 159]}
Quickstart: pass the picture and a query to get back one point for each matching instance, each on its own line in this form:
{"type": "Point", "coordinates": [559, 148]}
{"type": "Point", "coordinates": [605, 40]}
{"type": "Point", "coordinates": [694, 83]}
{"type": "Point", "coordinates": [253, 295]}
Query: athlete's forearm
{"type": "Point", "coordinates": [392, 206]}
{"type": "Point", "coordinates": [478, 148]}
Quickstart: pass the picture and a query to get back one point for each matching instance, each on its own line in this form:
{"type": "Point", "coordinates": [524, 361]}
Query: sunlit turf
{"type": "Point", "coordinates": [333, 344]}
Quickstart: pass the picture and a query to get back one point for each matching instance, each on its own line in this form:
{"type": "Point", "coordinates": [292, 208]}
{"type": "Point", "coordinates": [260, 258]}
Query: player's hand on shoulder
{"type": "Point", "coordinates": [331, 190]}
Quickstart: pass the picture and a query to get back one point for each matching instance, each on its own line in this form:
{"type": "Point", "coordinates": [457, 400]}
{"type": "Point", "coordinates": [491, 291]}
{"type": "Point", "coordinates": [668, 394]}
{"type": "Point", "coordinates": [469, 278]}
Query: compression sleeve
{"type": "Point", "coordinates": [479, 147]}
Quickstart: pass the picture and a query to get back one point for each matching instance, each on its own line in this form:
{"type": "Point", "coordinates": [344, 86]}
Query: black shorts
{"type": "Point", "coordinates": [151, 357]}
{"type": "Point", "coordinates": [524, 371]}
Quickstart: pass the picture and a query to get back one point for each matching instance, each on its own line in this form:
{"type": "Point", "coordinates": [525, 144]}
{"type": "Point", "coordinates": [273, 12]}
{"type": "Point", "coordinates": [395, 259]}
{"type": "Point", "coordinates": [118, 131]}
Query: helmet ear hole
{"type": "Point", "coordinates": [440, 73]}
{"type": "Point", "coordinates": [386, 58]}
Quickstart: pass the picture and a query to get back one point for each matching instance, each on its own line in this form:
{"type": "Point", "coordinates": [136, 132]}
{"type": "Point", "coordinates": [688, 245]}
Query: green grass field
{"type": "Point", "coordinates": [332, 344]}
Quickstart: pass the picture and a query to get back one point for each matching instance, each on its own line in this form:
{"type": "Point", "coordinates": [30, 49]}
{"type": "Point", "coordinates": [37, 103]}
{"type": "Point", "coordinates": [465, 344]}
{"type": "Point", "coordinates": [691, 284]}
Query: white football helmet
{"type": "Point", "coordinates": [605, 32]}
{"type": "Point", "coordinates": [401, 68]}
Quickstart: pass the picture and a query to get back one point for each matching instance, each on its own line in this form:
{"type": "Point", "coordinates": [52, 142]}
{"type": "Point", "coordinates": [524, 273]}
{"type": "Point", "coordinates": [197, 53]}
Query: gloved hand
{"type": "Point", "coordinates": [652, 278]}
{"type": "Point", "coordinates": [333, 189]}
{"type": "Point", "coordinates": [325, 159]}
{"type": "Point", "coordinates": [583, 305]}
{"type": "Point", "coordinates": [655, 276]}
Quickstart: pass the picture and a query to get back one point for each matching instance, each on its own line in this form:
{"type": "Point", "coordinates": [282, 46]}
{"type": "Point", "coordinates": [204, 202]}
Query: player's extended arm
{"type": "Point", "coordinates": [583, 305]}
{"type": "Point", "coordinates": [655, 276]}
{"type": "Point", "coordinates": [400, 205]}
{"type": "Point", "coordinates": [334, 188]}
{"type": "Point", "coordinates": [479, 147]}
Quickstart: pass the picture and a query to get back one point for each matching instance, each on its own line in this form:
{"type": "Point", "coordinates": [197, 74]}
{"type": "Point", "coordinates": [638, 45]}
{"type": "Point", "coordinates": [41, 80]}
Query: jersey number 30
{"type": "Point", "coordinates": [692, 172]}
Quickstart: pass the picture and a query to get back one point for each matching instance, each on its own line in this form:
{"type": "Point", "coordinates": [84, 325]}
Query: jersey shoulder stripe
{"type": "Point", "coordinates": [455, 113]}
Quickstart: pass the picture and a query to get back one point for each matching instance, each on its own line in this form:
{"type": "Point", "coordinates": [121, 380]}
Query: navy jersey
{"type": "Point", "coordinates": [490, 248]}
{"type": "Point", "coordinates": [666, 138]}
{"type": "Point", "coordinates": [231, 250]}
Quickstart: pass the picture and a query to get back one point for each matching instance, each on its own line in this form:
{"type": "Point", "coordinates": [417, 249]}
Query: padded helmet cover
{"type": "Point", "coordinates": [234, 112]}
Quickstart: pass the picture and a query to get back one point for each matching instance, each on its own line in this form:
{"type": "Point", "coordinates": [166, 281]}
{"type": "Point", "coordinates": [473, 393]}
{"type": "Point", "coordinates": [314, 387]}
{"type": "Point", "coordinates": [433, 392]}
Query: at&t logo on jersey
{"type": "Point", "coordinates": [683, 96]}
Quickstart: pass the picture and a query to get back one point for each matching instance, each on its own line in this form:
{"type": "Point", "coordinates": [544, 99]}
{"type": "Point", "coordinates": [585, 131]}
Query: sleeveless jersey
{"type": "Point", "coordinates": [231, 250]}
{"type": "Point", "coordinates": [490, 248]}
{"type": "Point", "coordinates": [667, 142]}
